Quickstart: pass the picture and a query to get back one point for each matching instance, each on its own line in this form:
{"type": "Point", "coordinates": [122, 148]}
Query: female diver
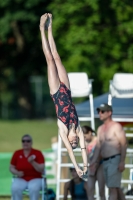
{"type": "Point", "coordinates": [68, 123]}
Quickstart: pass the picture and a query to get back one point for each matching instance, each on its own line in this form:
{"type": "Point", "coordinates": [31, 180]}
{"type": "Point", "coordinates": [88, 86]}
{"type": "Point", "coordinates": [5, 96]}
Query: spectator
{"type": "Point", "coordinates": [28, 165]}
{"type": "Point", "coordinates": [112, 146]}
{"type": "Point", "coordinates": [91, 141]}
{"type": "Point", "coordinates": [76, 186]}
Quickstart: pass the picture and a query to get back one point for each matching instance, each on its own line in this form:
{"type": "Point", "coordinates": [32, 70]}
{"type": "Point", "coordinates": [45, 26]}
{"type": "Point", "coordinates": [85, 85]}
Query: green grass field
{"type": "Point", "coordinates": [41, 130]}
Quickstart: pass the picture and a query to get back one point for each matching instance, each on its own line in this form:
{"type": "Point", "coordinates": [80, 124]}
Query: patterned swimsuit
{"type": "Point", "coordinates": [64, 106]}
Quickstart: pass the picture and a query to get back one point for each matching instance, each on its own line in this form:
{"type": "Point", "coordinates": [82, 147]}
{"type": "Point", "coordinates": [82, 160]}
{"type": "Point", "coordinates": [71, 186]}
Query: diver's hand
{"type": "Point", "coordinates": [85, 171]}
{"type": "Point", "coordinates": [85, 177]}
{"type": "Point", "coordinates": [79, 172]}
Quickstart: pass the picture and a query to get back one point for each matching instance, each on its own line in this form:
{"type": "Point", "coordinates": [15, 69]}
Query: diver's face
{"type": "Point", "coordinates": [73, 138]}
{"type": "Point", "coordinates": [74, 143]}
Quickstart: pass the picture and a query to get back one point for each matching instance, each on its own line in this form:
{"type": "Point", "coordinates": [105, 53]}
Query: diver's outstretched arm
{"type": "Point", "coordinates": [83, 149]}
{"type": "Point", "coordinates": [63, 133]}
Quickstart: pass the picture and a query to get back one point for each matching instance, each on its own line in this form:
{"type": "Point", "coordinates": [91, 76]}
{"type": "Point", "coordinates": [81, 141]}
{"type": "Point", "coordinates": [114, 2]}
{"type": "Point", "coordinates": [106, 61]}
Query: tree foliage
{"type": "Point", "coordinates": [95, 36]}
{"type": "Point", "coordinates": [21, 54]}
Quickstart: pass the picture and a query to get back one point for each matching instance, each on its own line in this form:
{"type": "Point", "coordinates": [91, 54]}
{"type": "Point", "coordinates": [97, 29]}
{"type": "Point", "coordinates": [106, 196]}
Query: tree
{"type": "Point", "coordinates": [21, 54]}
{"type": "Point", "coordinates": [94, 36]}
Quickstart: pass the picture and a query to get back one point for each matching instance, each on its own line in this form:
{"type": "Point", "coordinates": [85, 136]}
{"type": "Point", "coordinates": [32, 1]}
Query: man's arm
{"type": "Point", "coordinates": [120, 134]}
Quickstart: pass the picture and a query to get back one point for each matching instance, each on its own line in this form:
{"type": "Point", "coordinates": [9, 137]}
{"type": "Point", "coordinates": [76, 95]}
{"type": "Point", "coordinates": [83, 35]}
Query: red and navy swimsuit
{"type": "Point", "coordinates": [64, 106]}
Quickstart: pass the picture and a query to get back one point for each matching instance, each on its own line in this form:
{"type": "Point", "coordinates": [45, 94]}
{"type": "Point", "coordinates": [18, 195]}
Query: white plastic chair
{"type": "Point", "coordinates": [81, 86]}
{"type": "Point", "coordinates": [43, 190]}
{"type": "Point", "coordinates": [121, 86]}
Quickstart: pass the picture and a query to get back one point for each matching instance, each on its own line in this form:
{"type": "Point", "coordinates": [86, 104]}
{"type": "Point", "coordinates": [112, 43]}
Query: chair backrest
{"type": "Point", "coordinates": [122, 85]}
{"type": "Point", "coordinates": [79, 84]}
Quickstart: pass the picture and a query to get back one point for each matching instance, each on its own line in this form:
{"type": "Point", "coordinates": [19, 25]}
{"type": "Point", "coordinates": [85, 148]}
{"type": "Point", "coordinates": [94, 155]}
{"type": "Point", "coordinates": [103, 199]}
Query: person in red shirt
{"type": "Point", "coordinates": [28, 166]}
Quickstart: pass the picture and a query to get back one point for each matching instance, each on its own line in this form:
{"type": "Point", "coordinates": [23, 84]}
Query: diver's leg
{"type": "Point", "coordinates": [60, 68]}
{"type": "Point", "coordinates": [53, 78]}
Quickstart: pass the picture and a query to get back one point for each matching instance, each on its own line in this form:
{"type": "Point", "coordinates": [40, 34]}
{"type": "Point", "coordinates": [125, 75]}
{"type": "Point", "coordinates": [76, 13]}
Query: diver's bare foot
{"type": "Point", "coordinates": [43, 20]}
{"type": "Point", "coordinates": [49, 20]}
